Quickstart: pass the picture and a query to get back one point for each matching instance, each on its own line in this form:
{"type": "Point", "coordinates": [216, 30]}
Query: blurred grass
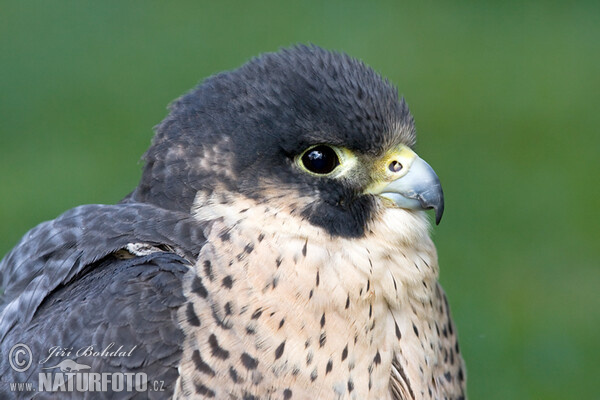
{"type": "Point", "coordinates": [505, 96]}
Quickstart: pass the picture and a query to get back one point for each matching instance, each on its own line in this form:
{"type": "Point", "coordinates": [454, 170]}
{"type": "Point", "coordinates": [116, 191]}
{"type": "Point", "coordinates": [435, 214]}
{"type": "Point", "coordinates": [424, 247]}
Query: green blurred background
{"type": "Point", "coordinates": [506, 101]}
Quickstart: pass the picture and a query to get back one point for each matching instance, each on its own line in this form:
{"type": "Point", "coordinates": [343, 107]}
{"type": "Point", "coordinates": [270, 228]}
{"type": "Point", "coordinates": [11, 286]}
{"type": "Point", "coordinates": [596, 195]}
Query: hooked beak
{"type": "Point", "coordinates": [409, 182]}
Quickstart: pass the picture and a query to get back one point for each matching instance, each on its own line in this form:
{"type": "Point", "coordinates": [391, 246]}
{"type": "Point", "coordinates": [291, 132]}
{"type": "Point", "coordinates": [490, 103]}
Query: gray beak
{"type": "Point", "coordinates": [418, 189]}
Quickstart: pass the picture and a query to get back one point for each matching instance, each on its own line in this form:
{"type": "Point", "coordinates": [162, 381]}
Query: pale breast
{"type": "Point", "coordinates": [281, 314]}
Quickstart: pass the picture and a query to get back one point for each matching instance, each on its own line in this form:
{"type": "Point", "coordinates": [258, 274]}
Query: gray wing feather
{"type": "Point", "coordinates": [131, 303]}
{"type": "Point", "coordinates": [56, 251]}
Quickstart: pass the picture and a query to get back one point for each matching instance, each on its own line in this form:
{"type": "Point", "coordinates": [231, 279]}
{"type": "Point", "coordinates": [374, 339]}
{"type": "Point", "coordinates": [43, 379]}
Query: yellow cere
{"type": "Point", "coordinates": [381, 175]}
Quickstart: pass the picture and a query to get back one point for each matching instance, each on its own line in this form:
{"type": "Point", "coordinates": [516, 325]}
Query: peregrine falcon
{"type": "Point", "coordinates": [276, 247]}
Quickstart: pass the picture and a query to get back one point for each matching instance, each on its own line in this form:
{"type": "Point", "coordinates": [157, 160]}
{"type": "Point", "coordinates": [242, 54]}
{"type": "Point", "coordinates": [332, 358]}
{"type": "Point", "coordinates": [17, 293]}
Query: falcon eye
{"type": "Point", "coordinates": [320, 160]}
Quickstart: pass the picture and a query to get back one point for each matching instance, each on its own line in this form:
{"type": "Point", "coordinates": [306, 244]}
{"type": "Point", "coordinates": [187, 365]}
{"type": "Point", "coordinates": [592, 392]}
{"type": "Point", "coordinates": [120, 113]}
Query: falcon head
{"type": "Point", "coordinates": [307, 130]}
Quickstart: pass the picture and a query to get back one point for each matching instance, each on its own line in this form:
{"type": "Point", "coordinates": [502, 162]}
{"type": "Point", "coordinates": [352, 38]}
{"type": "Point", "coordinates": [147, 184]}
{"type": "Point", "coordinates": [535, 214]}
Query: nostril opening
{"type": "Point", "coordinates": [395, 166]}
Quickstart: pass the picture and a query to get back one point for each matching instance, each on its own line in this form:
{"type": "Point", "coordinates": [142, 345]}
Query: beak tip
{"type": "Point", "coordinates": [439, 210]}
{"type": "Point", "coordinates": [434, 200]}
{"type": "Point", "coordinates": [438, 217]}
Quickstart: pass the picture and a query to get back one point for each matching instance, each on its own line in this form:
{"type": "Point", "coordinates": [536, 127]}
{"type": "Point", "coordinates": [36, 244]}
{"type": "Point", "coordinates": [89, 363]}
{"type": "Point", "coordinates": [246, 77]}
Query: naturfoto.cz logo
{"type": "Point", "coordinates": [69, 375]}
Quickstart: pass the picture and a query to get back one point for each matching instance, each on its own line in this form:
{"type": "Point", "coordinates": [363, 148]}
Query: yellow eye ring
{"type": "Point", "coordinates": [324, 160]}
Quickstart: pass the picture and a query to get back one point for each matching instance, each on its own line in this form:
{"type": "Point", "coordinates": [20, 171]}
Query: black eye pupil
{"type": "Point", "coordinates": [320, 160]}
